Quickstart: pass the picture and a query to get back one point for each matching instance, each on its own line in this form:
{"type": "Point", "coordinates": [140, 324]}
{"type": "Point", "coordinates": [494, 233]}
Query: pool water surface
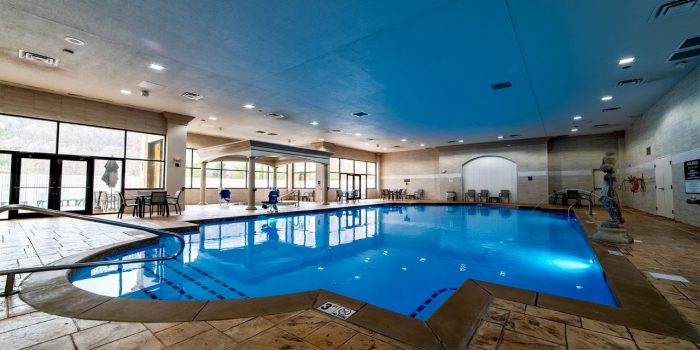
{"type": "Point", "coordinates": [405, 258]}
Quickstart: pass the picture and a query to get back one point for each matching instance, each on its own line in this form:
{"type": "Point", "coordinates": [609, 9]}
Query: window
{"type": "Point", "coordinates": [263, 176]}
{"type": "Point", "coordinates": [90, 141]}
{"type": "Point", "coordinates": [145, 152]}
{"type": "Point", "coordinates": [233, 174]}
{"type": "Point", "coordinates": [282, 176]}
{"type": "Point", "coordinates": [27, 135]}
{"type": "Point", "coordinates": [339, 166]}
{"type": "Point", "coordinates": [227, 174]}
{"type": "Point", "coordinates": [305, 175]}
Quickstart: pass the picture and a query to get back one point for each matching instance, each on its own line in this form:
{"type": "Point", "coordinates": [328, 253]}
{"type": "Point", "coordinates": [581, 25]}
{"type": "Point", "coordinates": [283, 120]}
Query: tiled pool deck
{"type": "Point", "coordinates": [522, 321]}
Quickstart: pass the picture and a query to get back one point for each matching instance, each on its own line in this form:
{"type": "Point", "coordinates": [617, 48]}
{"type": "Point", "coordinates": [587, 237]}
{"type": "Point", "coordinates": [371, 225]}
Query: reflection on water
{"type": "Point", "coordinates": [392, 256]}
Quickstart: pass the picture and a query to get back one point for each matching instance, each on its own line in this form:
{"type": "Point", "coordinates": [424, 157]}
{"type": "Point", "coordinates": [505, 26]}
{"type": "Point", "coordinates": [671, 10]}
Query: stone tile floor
{"type": "Point", "coordinates": [664, 247]}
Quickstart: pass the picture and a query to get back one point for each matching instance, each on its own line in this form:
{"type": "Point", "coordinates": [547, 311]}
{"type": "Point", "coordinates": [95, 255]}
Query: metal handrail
{"type": "Point", "coordinates": [297, 192]}
{"type": "Point", "coordinates": [9, 283]}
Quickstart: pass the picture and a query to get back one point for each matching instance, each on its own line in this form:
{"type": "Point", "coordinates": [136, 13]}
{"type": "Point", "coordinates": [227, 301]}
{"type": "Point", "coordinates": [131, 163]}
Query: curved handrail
{"type": "Point", "coordinates": [12, 272]}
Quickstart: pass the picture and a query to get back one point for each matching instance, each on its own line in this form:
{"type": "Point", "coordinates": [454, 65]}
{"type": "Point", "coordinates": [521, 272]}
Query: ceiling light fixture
{"type": "Point", "coordinates": [461, 141]}
{"type": "Point", "coordinates": [74, 41]}
{"type": "Point", "coordinates": [578, 117]}
{"type": "Point", "coordinates": [606, 98]}
{"type": "Point", "coordinates": [422, 145]}
{"type": "Point", "coordinates": [358, 134]}
{"type": "Point", "coordinates": [248, 106]}
{"type": "Point", "coordinates": [213, 118]}
{"type": "Point", "coordinates": [403, 140]}
{"type": "Point", "coordinates": [366, 144]}
{"type": "Point", "coordinates": [626, 60]}
{"type": "Point", "coordinates": [156, 66]}
{"type": "Point", "coordinates": [322, 139]}
{"type": "Point", "coordinates": [314, 123]}
{"type": "Point", "coordinates": [125, 91]}
{"type": "Point", "coordinates": [500, 136]}
{"type": "Point", "coordinates": [574, 130]}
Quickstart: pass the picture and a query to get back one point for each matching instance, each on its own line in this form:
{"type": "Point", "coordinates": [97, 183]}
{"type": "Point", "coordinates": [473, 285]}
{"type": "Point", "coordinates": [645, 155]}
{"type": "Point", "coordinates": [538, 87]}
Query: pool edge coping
{"type": "Point", "coordinates": [53, 292]}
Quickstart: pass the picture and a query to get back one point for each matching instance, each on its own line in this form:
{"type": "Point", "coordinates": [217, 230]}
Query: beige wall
{"type": "Point", "coordinates": [439, 170]}
{"type": "Point", "coordinates": [571, 160]}
{"type": "Point", "coordinates": [39, 104]}
{"type": "Point", "coordinates": [671, 128]}
{"type": "Point", "coordinates": [347, 153]}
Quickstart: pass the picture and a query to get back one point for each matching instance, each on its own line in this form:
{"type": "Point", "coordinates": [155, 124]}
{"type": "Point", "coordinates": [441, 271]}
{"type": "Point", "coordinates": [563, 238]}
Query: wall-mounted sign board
{"type": "Point", "coordinates": [692, 176]}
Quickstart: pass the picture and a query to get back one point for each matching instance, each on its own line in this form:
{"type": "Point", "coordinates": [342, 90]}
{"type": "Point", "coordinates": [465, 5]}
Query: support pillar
{"type": "Point", "coordinates": [203, 184]}
{"type": "Point", "coordinates": [274, 176]}
{"type": "Point", "coordinates": [251, 184]}
{"type": "Point", "coordinates": [175, 148]}
{"type": "Point", "coordinates": [324, 185]}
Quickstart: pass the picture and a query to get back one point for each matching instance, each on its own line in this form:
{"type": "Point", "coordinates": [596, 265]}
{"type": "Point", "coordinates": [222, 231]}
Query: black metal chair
{"type": "Point", "coordinates": [470, 194]}
{"type": "Point", "coordinates": [339, 195]}
{"type": "Point", "coordinates": [160, 200]}
{"type": "Point", "coordinates": [175, 202]}
{"type": "Point", "coordinates": [124, 203]}
{"type": "Point", "coordinates": [505, 194]}
{"type": "Point", "coordinates": [483, 196]}
{"type": "Point", "coordinates": [572, 194]}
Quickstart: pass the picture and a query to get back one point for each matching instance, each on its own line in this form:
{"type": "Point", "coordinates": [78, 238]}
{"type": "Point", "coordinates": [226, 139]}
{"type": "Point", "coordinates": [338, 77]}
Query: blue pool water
{"type": "Point", "coordinates": [405, 258]}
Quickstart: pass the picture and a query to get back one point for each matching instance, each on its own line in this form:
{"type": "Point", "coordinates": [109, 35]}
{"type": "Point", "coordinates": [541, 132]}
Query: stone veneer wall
{"type": "Point", "coordinates": [440, 170]}
{"type": "Point", "coordinates": [670, 127]}
{"type": "Point", "coordinates": [571, 160]}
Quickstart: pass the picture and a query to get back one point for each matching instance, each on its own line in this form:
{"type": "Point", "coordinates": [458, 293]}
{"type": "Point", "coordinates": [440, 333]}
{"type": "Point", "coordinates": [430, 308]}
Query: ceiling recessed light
{"type": "Point", "coordinates": [366, 144]}
{"type": "Point", "coordinates": [314, 123]}
{"type": "Point", "coordinates": [125, 91]}
{"type": "Point", "coordinates": [606, 98]}
{"type": "Point", "coordinates": [574, 129]}
{"type": "Point", "coordinates": [358, 134]}
{"type": "Point", "coordinates": [500, 136]}
{"type": "Point", "coordinates": [213, 118]}
{"type": "Point", "coordinates": [422, 145]}
{"type": "Point", "coordinates": [461, 141]}
{"type": "Point", "coordinates": [403, 140]}
{"type": "Point", "coordinates": [625, 60]}
{"type": "Point", "coordinates": [384, 148]}
{"type": "Point", "coordinates": [74, 41]}
{"type": "Point", "coordinates": [578, 117]}
{"type": "Point", "coordinates": [248, 106]}
{"type": "Point", "coordinates": [156, 66]}
{"type": "Point", "coordinates": [322, 139]}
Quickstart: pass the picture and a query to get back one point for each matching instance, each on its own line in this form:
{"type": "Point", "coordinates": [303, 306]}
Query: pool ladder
{"type": "Point", "coordinates": [10, 280]}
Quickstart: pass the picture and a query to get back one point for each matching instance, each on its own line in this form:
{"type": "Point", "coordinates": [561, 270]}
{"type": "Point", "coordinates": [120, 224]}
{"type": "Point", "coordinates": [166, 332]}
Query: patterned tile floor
{"type": "Point", "coordinates": [664, 247]}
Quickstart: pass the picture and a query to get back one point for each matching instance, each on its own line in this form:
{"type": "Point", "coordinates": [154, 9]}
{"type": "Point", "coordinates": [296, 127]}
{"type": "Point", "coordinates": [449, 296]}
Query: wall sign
{"type": "Point", "coordinates": [692, 176]}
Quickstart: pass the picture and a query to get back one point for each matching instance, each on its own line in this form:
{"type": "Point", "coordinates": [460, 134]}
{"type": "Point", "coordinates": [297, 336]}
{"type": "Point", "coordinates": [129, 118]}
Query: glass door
{"type": "Point", "coordinates": [357, 185]}
{"type": "Point", "coordinates": [51, 182]}
{"type": "Point", "coordinates": [5, 167]}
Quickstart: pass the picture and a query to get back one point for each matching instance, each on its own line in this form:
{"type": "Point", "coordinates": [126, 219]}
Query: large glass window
{"type": "Point", "coordinates": [27, 135]}
{"type": "Point", "coordinates": [143, 174]}
{"type": "Point", "coordinates": [233, 174]}
{"type": "Point", "coordinates": [368, 170]}
{"type": "Point", "coordinates": [304, 175]}
{"type": "Point", "coordinates": [90, 141]}
{"type": "Point", "coordinates": [263, 176]}
{"type": "Point", "coordinates": [145, 146]}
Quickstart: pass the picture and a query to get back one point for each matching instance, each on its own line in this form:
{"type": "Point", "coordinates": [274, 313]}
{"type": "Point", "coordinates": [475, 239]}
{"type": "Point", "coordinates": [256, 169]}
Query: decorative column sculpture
{"type": "Point", "coordinates": [613, 230]}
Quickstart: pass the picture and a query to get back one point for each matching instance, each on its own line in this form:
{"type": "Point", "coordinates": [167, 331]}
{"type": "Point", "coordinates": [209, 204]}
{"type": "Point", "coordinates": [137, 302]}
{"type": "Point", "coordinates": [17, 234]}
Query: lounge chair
{"type": "Point", "coordinates": [483, 196]}
{"type": "Point", "coordinates": [470, 194]}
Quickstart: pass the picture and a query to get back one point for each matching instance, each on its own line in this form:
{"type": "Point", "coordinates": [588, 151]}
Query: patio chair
{"type": "Point", "coordinates": [419, 194]}
{"type": "Point", "coordinates": [308, 196]}
{"type": "Point", "coordinates": [224, 196]}
{"type": "Point", "coordinates": [483, 196]}
{"type": "Point", "coordinates": [470, 194]}
{"type": "Point", "coordinates": [339, 195]}
{"type": "Point", "coordinates": [124, 203]}
{"type": "Point", "coordinates": [175, 202]}
{"type": "Point", "coordinates": [572, 194]}
{"type": "Point", "coordinates": [159, 199]}
{"type": "Point", "coordinates": [504, 195]}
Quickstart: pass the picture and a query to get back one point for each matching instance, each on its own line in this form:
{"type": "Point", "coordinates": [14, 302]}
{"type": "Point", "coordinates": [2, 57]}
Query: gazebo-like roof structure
{"type": "Point", "coordinates": [263, 152]}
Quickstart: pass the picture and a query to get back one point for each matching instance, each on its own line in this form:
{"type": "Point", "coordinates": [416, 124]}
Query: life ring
{"type": "Point", "coordinates": [634, 186]}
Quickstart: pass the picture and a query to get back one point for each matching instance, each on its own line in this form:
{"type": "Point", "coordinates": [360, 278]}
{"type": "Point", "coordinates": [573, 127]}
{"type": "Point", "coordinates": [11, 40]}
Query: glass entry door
{"type": "Point", "coordinates": [350, 182]}
{"type": "Point", "coordinates": [51, 182]}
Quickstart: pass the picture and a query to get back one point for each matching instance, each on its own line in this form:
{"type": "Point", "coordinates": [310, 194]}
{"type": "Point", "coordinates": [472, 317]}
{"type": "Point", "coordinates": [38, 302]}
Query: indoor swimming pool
{"type": "Point", "coordinates": [405, 258]}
